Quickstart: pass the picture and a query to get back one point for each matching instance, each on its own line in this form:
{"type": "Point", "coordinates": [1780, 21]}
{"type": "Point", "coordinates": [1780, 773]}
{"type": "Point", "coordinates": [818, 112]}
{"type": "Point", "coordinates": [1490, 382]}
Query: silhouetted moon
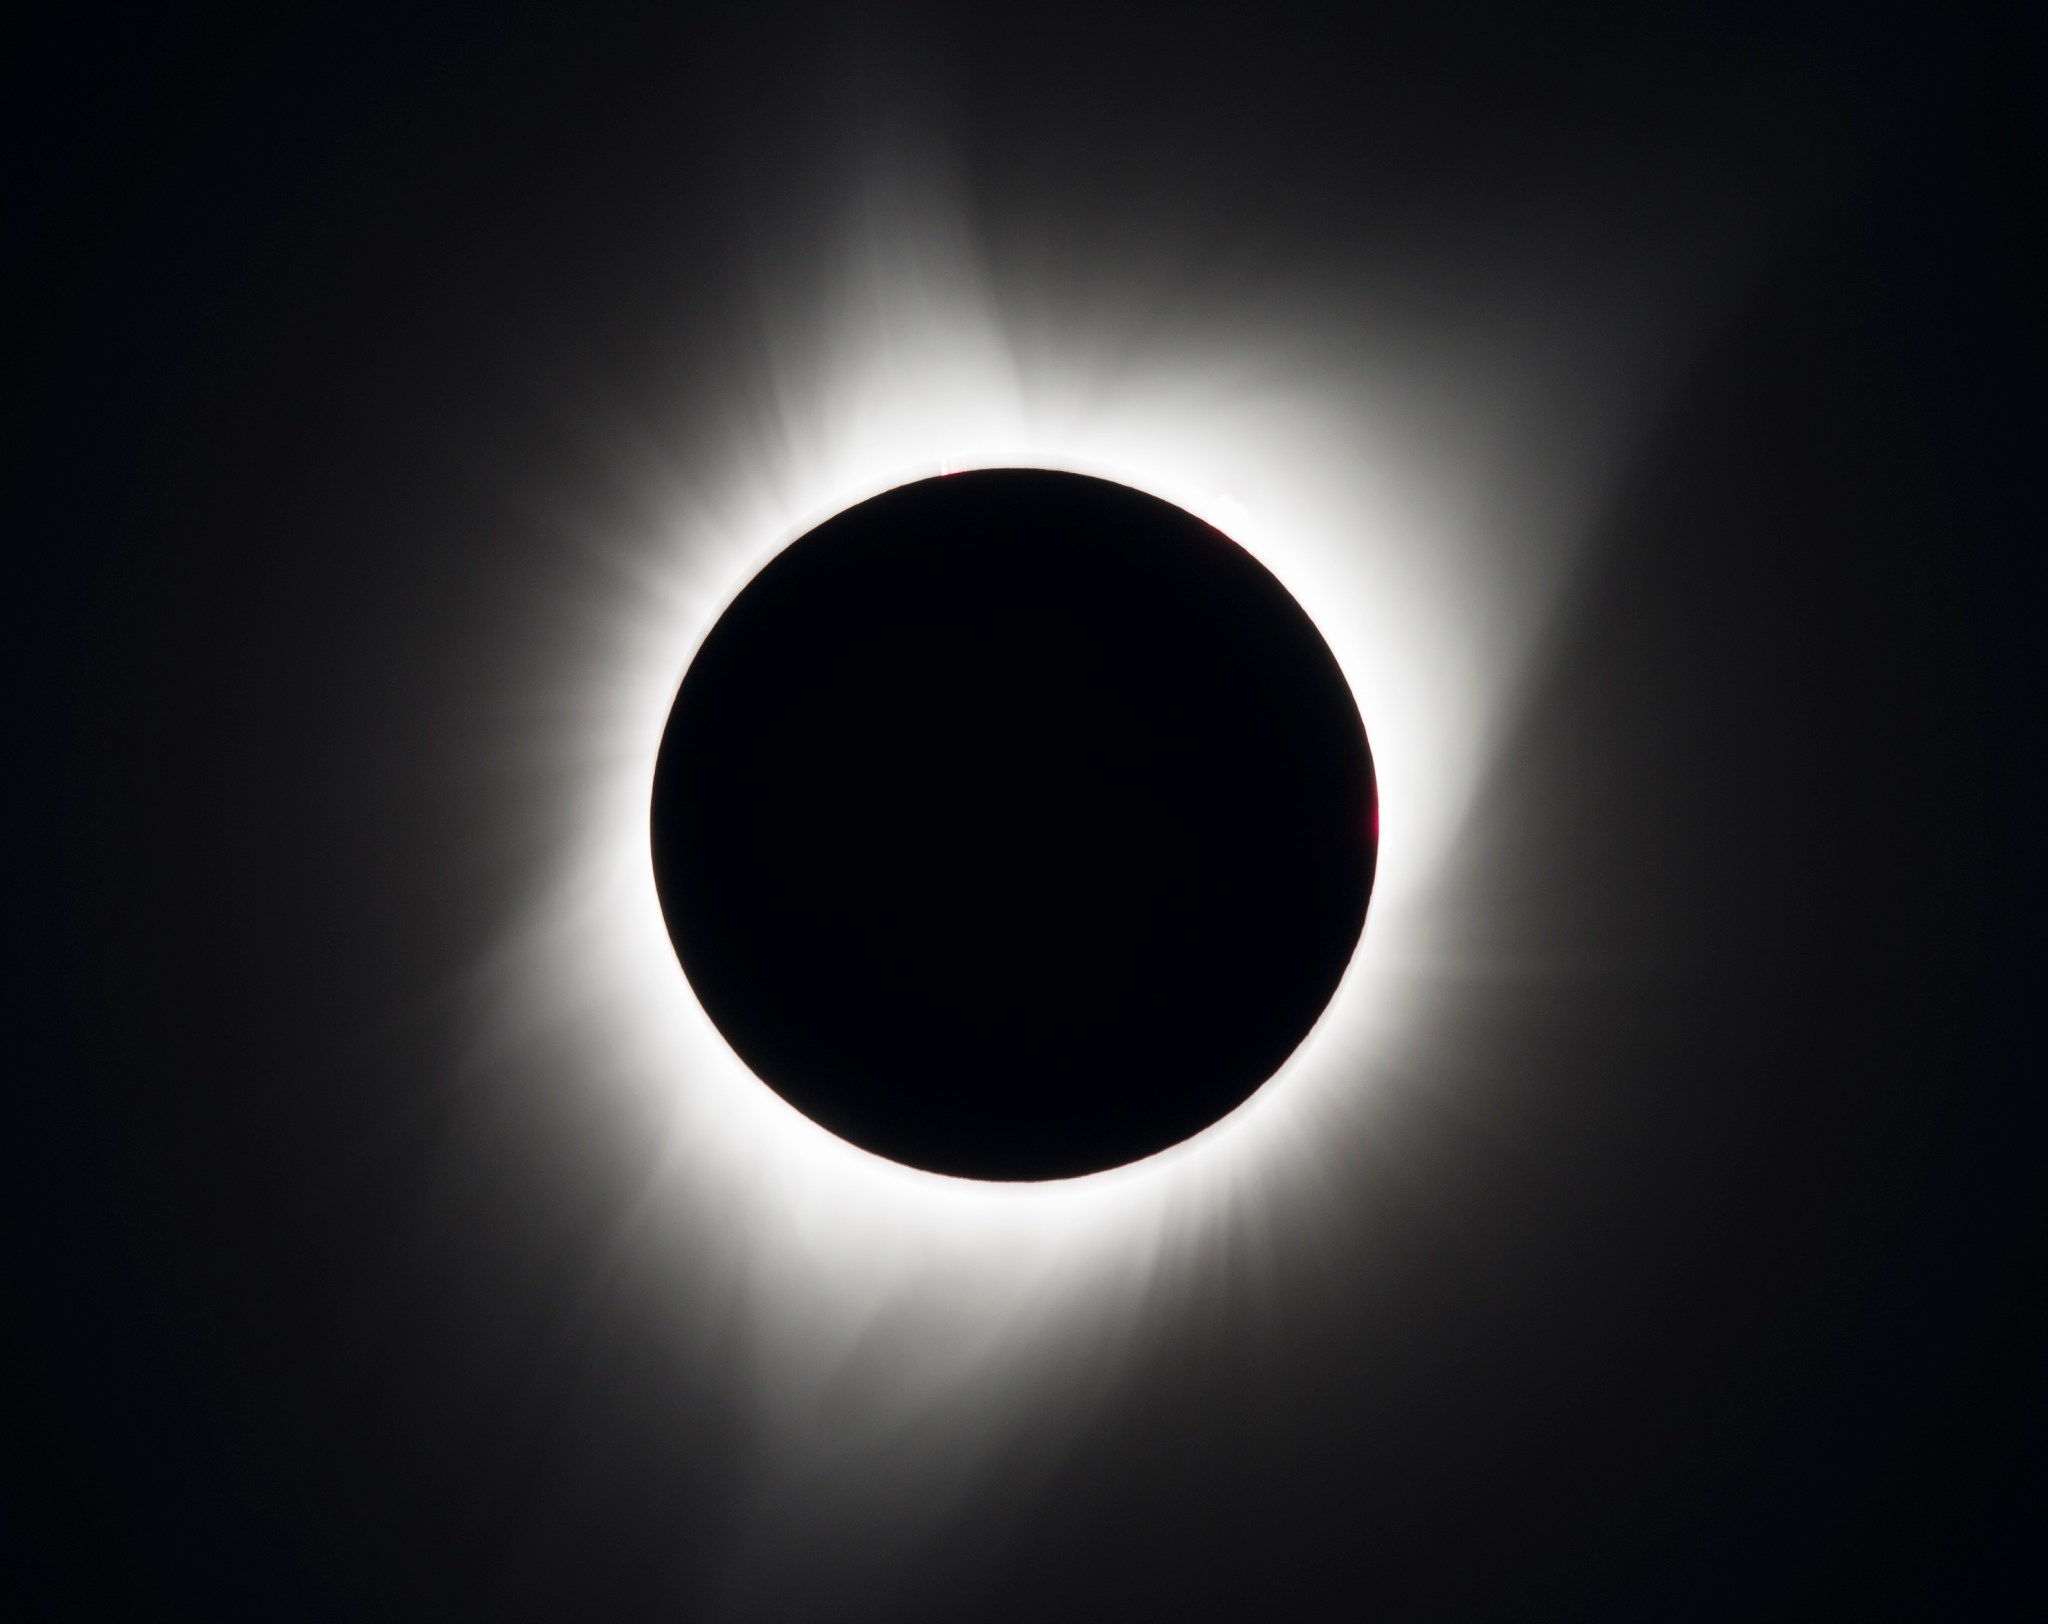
{"type": "Point", "coordinates": [1014, 824]}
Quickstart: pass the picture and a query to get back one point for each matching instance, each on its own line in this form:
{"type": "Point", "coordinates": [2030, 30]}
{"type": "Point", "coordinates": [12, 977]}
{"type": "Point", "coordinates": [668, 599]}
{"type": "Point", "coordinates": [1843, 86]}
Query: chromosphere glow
{"type": "Point", "coordinates": [1421, 508]}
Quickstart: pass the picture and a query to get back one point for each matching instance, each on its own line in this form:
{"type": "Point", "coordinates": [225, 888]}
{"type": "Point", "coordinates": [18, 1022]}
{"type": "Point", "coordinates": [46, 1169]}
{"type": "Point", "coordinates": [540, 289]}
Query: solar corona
{"type": "Point", "coordinates": [995, 812]}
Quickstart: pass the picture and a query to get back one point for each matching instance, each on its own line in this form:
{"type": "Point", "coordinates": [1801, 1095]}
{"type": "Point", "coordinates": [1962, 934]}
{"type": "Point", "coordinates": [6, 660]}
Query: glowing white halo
{"type": "Point", "coordinates": [1422, 517]}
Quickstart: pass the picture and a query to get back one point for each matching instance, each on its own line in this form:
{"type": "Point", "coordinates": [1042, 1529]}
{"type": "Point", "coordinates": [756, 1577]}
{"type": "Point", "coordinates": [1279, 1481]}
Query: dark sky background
{"type": "Point", "coordinates": [1694, 1288]}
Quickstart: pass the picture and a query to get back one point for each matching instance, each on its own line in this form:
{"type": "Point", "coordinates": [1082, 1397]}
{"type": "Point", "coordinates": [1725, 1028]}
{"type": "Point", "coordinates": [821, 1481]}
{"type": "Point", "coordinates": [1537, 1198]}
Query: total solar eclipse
{"type": "Point", "coordinates": [1014, 825]}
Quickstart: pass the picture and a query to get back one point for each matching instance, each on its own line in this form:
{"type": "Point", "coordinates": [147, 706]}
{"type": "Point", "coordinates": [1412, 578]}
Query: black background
{"type": "Point", "coordinates": [1702, 1294]}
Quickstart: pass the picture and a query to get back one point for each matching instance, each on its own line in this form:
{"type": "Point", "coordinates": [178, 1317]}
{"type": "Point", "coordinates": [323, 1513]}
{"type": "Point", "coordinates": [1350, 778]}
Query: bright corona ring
{"type": "Point", "coordinates": [1014, 825]}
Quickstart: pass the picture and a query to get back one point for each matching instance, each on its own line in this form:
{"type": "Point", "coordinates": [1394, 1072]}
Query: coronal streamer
{"type": "Point", "coordinates": [1421, 506]}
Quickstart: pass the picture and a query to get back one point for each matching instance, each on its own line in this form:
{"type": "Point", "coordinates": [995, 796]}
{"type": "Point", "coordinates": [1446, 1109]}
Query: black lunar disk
{"type": "Point", "coordinates": [1014, 824]}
